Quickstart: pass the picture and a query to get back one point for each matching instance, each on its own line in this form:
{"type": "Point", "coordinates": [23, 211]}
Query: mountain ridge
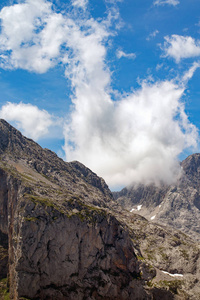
{"type": "Point", "coordinates": [62, 236]}
{"type": "Point", "coordinates": [177, 205]}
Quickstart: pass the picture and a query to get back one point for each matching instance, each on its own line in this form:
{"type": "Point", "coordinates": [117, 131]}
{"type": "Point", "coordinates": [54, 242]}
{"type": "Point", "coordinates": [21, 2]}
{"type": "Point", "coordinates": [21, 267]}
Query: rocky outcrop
{"type": "Point", "coordinates": [74, 251]}
{"type": "Point", "coordinates": [68, 257]}
{"type": "Point", "coordinates": [60, 243]}
{"type": "Point", "coordinates": [177, 205]}
{"type": "Point", "coordinates": [63, 237]}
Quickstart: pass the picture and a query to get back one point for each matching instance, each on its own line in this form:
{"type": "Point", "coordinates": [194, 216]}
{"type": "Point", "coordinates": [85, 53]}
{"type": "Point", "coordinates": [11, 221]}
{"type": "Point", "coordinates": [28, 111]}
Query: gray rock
{"type": "Point", "coordinates": [177, 205]}
{"type": "Point", "coordinates": [64, 237]}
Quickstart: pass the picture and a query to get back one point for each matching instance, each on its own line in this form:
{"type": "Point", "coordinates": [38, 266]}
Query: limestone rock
{"type": "Point", "coordinates": [63, 237]}
{"type": "Point", "coordinates": [177, 205]}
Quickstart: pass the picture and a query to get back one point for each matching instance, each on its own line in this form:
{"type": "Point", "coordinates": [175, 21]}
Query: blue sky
{"type": "Point", "coordinates": [113, 84]}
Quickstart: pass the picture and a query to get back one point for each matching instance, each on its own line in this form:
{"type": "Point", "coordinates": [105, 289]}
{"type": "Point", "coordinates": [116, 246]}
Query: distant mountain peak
{"type": "Point", "coordinates": [177, 205]}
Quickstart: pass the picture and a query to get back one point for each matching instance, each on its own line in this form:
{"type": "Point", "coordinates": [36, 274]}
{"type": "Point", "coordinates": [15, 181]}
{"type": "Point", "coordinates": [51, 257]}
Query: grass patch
{"type": "Point", "coordinates": [185, 254]}
{"type": "Point", "coordinates": [27, 177]}
{"type": "Point", "coordinates": [86, 212]}
{"type": "Point", "coordinates": [140, 258]}
{"type": "Point", "coordinates": [4, 290]}
{"type": "Point", "coordinates": [31, 219]}
{"type": "Point", "coordinates": [39, 200]}
{"type": "Point", "coordinates": [173, 285]}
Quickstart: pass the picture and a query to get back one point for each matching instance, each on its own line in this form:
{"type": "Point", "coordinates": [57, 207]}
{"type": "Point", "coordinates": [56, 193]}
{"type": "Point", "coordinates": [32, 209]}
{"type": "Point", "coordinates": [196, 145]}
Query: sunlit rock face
{"type": "Point", "coordinates": [63, 236]}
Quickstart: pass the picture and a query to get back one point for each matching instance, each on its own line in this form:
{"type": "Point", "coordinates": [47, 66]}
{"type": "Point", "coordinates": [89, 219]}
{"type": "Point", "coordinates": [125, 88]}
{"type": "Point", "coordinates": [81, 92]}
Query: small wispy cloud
{"type": "Point", "coordinates": [189, 74]}
{"type": "Point", "coordinates": [120, 54]}
{"type": "Point", "coordinates": [80, 3]}
{"type": "Point", "coordinates": [159, 66]}
{"type": "Point", "coordinates": [180, 47]}
{"type": "Point", "coordinates": [163, 2]}
{"type": "Point", "coordinates": [152, 35]}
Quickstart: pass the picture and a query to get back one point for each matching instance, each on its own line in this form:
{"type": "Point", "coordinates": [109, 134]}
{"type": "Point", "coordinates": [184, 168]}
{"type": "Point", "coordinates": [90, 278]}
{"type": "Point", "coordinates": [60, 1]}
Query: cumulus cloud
{"type": "Point", "coordinates": [26, 36]}
{"type": "Point", "coordinates": [163, 2]}
{"type": "Point", "coordinates": [180, 47]}
{"type": "Point", "coordinates": [135, 139]}
{"type": "Point", "coordinates": [33, 122]}
{"type": "Point", "coordinates": [120, 53]}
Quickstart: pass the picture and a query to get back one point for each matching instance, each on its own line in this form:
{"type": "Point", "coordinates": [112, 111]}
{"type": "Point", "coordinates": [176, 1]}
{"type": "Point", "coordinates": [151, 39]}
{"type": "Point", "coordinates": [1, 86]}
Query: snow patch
{"type": "Point", "coordinates": [173, 275]}
{"type": "Point", "coordinates": [138, 208]}
{"type": "Point", "coordinates": [132, 209]}
{"type": "Point", "coordinates": [152, 218]}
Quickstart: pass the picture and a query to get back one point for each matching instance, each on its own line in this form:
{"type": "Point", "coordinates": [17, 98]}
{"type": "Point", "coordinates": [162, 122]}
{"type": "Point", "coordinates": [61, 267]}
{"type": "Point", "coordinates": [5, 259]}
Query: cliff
{"type": "Point", "coordinates": [62, 236]}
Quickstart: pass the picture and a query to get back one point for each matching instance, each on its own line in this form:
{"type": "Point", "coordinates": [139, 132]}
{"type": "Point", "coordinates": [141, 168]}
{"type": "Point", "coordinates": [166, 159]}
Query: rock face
{"type": "Point", "coordinates": [177, 205]}
{"type": "Point", "coordinates": [62, 236]}
{"type": "Point", "coordinates": [60, 243]}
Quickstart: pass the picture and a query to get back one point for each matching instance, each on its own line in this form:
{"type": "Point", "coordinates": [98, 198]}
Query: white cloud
{"type": "Point", "coordinates": [120, 53]}
{"type": "Point", "coordinates": [33, 122]}
{"type": "Point", "coordinates": [159, 66]}
{"type": "Point", "coordinates": [80, 3]}
{"type": "Point", "coordinates": [137, 138]}
{"type": "Point", "coordinates": [189, 74]}
{"type": "Point", "coordinates": [26, 38]}
{"type": "Point", "coordinates": [152, 35]}
{"type": "Point", "coordinates": [179, 47]}
{"type": "Point", "coordinates": [163, 2]}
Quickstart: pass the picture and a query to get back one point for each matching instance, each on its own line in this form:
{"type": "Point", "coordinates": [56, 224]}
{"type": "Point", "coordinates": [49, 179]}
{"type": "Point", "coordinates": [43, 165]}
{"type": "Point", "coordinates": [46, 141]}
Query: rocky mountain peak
{"type": "Point", "coordinates": [177, 205]}
{"type": "Point", "coordinates": [63, 237]}
{"type": "Point", "coordinates": [192, 163]}
{"type": "Point", "coordinates": [191, 169]}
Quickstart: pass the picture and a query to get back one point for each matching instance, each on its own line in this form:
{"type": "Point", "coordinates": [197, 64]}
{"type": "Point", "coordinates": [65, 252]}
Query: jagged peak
{"type": "Point", "coordinates": [16, 147]}
{"type": "Point", "coordinates": [192, 160]}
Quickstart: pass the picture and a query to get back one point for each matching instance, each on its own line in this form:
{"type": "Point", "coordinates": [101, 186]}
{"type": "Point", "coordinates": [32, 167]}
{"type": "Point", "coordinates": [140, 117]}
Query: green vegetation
{"type": "Point", "coordinates": [31, 219]}
{"type": "Point", "coordinates": [174, 286]}
{"type": "Point", "coordinates": [40, 200]}
{"type": "Point", "coordinates": [149, 254]}
{"type": "Point", "coordinates": [46, 202]}
{"type": "Point", "coordinates": [86, 212]}
{"type": "Point", "coordinates": [140, 258]}
{"type": "Point", "coordinates": [4, 290]}
{"type": "Point", "coordinates": [185, 254]}
{"type": "Point", "coordinates": [161, 251]}
{"type": "Point", "coordinates": [73, 207]}
{"type": "Point", "coordinates": [27, 177]}
{"type": "Point", "coordinates": [10, 169]}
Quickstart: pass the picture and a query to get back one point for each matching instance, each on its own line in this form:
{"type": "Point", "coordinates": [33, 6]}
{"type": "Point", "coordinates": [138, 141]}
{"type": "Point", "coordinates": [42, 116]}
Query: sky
{"type": "Point", "coordinates": [113, 84]}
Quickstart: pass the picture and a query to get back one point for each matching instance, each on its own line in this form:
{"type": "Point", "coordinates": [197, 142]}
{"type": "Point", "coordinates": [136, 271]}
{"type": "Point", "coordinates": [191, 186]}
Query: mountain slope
{"type": "Point", "coordinates": [63, 237]}
{"type": "Point", "coordinates": [177, 205]}
{"type": "Point", "coordinates": [28, 157]}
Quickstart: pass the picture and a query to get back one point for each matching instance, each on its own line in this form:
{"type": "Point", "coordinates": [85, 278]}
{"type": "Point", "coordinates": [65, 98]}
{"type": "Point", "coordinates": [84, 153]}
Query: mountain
{"type": "Point", "coordinates": [62, 235]}
{"type": "Point", "coordinates": [176, 205]}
